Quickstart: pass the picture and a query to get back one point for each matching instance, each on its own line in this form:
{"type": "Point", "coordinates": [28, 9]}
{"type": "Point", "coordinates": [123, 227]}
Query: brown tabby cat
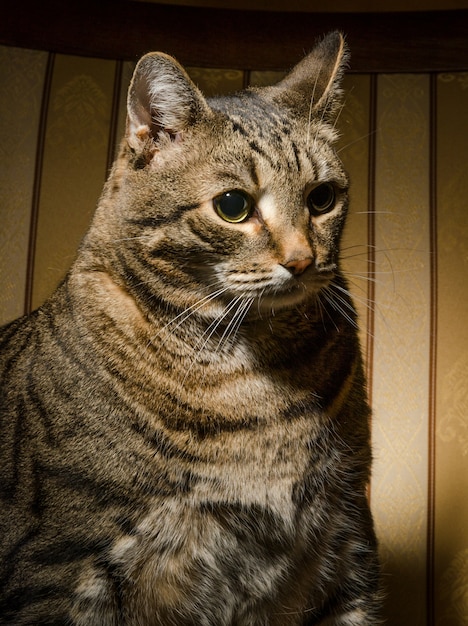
{"type": "Point", "coordinates": [184, 424]}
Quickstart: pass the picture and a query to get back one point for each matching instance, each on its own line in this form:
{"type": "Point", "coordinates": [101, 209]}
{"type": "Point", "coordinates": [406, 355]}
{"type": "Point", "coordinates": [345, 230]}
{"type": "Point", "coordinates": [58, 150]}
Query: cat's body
{"type": "Point", "coordinates": [184, 425]}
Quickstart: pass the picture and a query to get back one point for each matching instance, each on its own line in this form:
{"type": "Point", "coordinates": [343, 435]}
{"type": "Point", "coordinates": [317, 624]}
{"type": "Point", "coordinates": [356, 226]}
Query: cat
{"type": "Point", "coordinates": [184, 423]}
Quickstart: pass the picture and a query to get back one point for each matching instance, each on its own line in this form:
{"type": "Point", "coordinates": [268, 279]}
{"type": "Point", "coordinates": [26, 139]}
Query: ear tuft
{"type": "Point", "coordinates": [314, 83]}
{"type": "Point", "coordinates": [162, 101]}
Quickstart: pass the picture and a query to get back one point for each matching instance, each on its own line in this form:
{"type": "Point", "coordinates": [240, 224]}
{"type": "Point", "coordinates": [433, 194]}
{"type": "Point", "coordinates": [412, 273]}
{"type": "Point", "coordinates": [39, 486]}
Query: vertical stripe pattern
{"type": "Point", "coordinates": [451, 430]}
{"type": "Point", "coordinates": [402, 295]}
{"type": "Point", "coordinates": [405, 250]}
{"type": "Point", "coordinates": [22, 79]}
{"type": "Point", "coordinates": [36, 191]}
{"type": "Point", "coordinates": [430, 587]}
{"type": "Point", "coordinates": [74, 163]}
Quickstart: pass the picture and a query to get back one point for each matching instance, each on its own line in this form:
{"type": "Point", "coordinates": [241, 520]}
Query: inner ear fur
{"type": "Point", "coordinates": [313, 85]}
{"type": "Point", "coordinates": [162, 100]}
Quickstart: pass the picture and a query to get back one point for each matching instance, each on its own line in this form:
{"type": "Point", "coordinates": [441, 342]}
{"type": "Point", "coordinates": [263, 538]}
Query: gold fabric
{"type": "Point", "coordinates": [401, 343]}
{"type": "Point", "coordinates": [451, 436]}
{"type": "Point", "coordinates": [22, 76]}
{"type": "Point", "coordinates": [354, 123]}
{"type": "Point", "coordinates": [214, 82]}
{"type": "Point", "coordinates": [74, 163]}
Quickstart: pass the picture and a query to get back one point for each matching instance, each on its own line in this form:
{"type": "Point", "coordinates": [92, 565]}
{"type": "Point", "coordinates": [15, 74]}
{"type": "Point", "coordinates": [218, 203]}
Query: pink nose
{"type": "Point", "coordinates": [296, 267]}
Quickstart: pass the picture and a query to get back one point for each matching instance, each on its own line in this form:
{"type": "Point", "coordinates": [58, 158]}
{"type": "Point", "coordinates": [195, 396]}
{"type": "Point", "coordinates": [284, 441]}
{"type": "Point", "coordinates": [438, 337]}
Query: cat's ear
{"type": "Point", "coordinates": [162, 102]}
{"type": "Point", "coordinates": [313, 85]}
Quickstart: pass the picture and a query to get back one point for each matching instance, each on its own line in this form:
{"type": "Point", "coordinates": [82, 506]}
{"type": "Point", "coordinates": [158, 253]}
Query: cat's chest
{"type": "Point", "coordinates": [235, 456]}
{"type": "Point", "coordinates": [227, 393]}
{"type": "Point", "coordinates": [234, 526]}
{"type": "Point", "coordinates": [188, 552]}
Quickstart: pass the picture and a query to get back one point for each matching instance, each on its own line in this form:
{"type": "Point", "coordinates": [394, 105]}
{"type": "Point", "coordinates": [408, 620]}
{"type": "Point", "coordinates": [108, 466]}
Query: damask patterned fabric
{"type": "Point", "coordinates": [404, 141]}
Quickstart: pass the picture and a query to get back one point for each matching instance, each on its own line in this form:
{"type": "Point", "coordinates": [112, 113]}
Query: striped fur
{"type": "Point", "coordinates": [184, 424]}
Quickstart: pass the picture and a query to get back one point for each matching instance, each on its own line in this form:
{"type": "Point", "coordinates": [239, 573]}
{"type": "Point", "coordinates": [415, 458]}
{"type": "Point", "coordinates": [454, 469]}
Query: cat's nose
{"type": "Point", "coordinates": [297, 266]}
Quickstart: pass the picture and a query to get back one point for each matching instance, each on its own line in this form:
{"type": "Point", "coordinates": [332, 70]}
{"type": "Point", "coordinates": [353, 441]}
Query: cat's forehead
{"type": "Point", "coordinates": [252, 113]}
{"type": "Point", "coordinates": [266, 138]}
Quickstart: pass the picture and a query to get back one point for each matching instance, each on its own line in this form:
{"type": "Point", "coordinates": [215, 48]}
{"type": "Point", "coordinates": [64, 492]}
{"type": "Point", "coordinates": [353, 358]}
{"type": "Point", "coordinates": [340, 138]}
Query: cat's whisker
{"type": "Point", "coordinates": [183, 317]}
{"type": "Point", "coordinates": [325, 309]}
{"type": "Point", "coordinates": [357, 284]}
{"type": "Point", "coordinates": [364, 300]}
{"type": "Point", "coordinates": [340, 305]}
{"type": "Point", "coordinates": [360, 257]}
{"type": "Point", "coordinates": [357, 140]}
{"type": "Point", "coordinates": [378, 249]}
{"type": "Point", "coordinates": [346, 308]}
{"type": "Point", "coordinates": [320, 125]}
{"type": "Point", "coordinates": [311, 106]}
{"type": "Point", "coordinates": [375, 212]}
{"type": "Point", "coordinates": [340, 110]}
{"type": "Point", "coordinates": [259, 298]}
{"type": "Point", "coordinates": [235, 323]}
{"type": "Point", "coordinates": [370, 305]}
{"type": "Point", "coordinates": [231, 328]}
{"type": "Point", "coordinates": [186, 313]}
{"type": "Point", "coordinates": [367, 246]}
{"type": "Point", "coordinates": [209, 332]}
{"type": "Point", "coordinates": [363, 277]}
{"type": "Point", "coordinates": [133, 238]}
{"type": "Point", "coordinates": [214, 325]}
{"type": "Point", "coordinates": [227, 330]}
{"type": "Point", "coordinates": [319, 307]}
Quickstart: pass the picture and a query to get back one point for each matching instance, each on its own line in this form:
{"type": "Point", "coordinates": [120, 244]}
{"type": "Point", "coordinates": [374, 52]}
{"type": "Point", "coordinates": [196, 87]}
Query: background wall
{"type": "Point", "coordinates": [404, 141]}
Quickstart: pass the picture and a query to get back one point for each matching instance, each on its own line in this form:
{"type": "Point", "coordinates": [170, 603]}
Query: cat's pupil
{"type": "Point", "coordinates": [234, 206]}
{"type": "Point", "coordinates": [321, 199]}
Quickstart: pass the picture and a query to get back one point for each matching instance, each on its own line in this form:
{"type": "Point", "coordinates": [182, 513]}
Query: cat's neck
{"type": "Point", "coordinates": [195, 365]}
{"type": "Point", "coordinates": [195, 335]}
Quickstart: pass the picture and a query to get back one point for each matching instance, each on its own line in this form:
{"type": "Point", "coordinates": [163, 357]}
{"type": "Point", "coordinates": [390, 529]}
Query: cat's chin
{"type": "Point", "coordinates": [277, 302]}
{"type": "Point", "coordinates": [299, 295]}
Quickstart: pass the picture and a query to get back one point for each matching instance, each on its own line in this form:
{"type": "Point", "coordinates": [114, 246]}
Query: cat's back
{"type": "Point", "coordinates": [15, 339]}
{"type": "Point", "coordinates": [40, 355]}
{"type": "Point", "coordinates": [74, 471]}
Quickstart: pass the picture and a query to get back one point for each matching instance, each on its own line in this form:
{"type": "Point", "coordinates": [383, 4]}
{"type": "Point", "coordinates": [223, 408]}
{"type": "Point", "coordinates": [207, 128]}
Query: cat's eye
{"type": "Point", "coordinates": [321, 199]}
{"type": "Point", "coordinates": [234, 206]}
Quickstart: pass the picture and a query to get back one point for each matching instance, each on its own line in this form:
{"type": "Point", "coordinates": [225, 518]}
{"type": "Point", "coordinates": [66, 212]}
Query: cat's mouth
{"type": "Point", "coordinates": [297, 290]}
{"type": "Point", "coordinates": [260, 292]}
{"type": "Point", "coordinates": [285, 290]}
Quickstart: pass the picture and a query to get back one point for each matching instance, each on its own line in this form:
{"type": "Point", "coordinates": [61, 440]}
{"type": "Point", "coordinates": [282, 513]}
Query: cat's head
{"type": "Point", "coordinates": [242, 198]}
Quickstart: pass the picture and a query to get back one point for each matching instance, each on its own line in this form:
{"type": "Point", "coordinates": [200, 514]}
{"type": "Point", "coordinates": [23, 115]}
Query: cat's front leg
{"type": "Point", "coordinates": [367, 614]}
{"type": "Point", "coordinates": [356, 617]}
{"type": "Point", "coordinates": [358, 604]}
